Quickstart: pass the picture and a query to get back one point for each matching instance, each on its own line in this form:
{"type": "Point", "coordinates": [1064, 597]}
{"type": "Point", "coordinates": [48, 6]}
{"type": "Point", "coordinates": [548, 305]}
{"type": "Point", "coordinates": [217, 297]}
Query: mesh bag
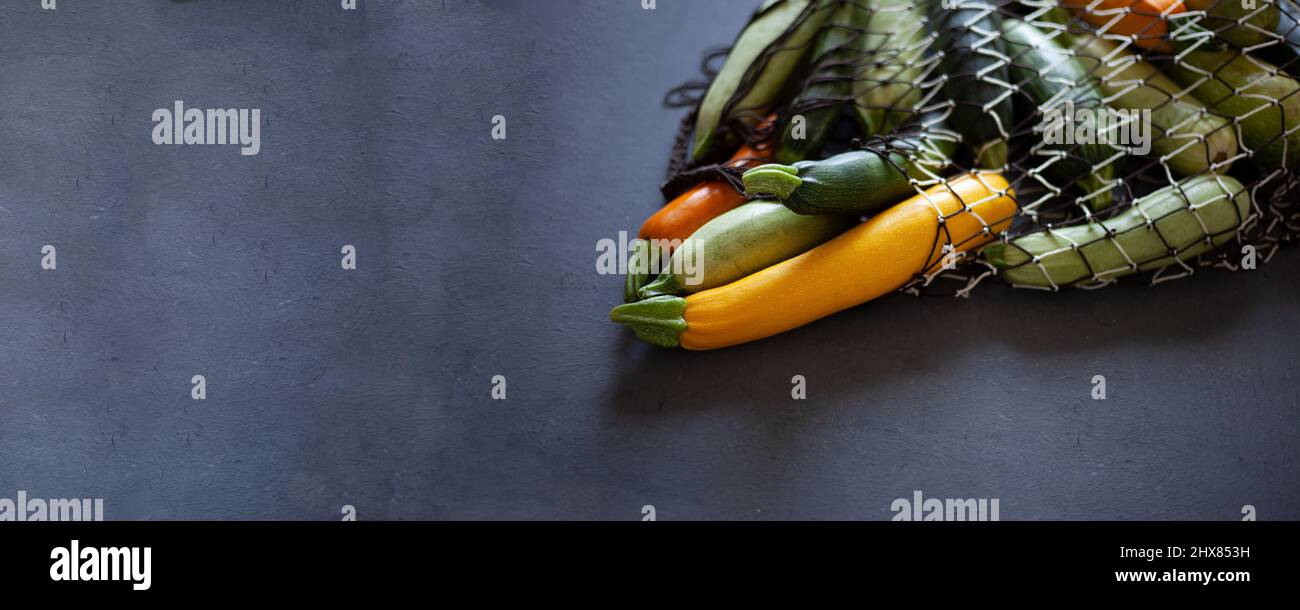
{"type": "Point", "coordinates": [1139, 136]}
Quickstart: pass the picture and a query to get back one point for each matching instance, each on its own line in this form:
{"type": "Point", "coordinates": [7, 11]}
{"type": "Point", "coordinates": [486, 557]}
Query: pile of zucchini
{"type": "Point", "coordinates": [1220, 113]}
{"type": "Point", "coordinates": [872, 145]}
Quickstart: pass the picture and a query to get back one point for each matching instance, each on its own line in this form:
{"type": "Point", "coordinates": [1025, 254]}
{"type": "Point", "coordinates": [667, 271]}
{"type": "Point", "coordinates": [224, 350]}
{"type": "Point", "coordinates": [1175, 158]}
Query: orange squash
{"type": "Point", "coordinates": [1143, 20]}
{"type": "Point", "coordinates": [702, 203]}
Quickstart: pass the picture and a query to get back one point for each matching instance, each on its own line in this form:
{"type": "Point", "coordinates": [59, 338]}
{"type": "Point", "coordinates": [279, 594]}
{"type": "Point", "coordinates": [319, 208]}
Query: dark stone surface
{"type": "Point", "coordinates": [371, 387]}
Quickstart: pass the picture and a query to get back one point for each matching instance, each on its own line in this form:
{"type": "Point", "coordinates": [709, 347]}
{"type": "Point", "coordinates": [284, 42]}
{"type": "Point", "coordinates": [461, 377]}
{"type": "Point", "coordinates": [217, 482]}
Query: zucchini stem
{"type": "Point", "coordinates": [643, 252]}
{"type": "Point", "coordinates": [657, 321]}
{"type": "Point", "coordinates": [664, 285]}
{"type": "Point", "coordinates": [773, 179]}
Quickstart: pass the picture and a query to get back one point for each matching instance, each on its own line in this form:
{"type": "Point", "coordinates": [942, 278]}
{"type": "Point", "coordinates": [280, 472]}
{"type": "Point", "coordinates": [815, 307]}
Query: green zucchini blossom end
{"type": "Point", "coordinates": [657, 321]}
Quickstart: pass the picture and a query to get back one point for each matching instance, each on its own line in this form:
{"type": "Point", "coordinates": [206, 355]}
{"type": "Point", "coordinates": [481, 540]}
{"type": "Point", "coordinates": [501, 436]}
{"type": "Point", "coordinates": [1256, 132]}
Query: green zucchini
{"type": "Point", "coordinates": [1255, 94]}
{"type": "Point", "coordinates": [750, 238]}
{"type": "Point", "coordinates": [886, 89]}
{"type": "Point", "coordinates": [1055, 80]}
{"type": "Point", "coordinates": [633, 281]}
{"type": "Point", "coordinates": [1176, 223]}
{"type": "Point", "coordinates": [830, 88]}
{"type": "Point", "coordinates": [760, 62]}
{"type": "Point", "coordinates": [1050, 12]}
{"type": "Point", "coordinates": [1232, 21]}
{"type": "Point", "coordinates": [978, 78]}
{"type": "Point", "coordinates": [855, 182]}
{"type": "Point", "coordinates": [1187, 137]}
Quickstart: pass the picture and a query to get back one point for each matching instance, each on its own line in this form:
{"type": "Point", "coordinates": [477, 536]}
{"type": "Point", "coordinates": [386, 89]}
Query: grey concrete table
{"type": "Point", "coordinates": [476, 257]}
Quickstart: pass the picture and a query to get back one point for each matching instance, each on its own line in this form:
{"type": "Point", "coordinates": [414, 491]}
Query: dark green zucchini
{"type": "Point", "coordinates": [858, 181]}
{"type": "Point", "coordinates": [974, 62]}
{"type": "Point", "coordinates": [1055, 79]}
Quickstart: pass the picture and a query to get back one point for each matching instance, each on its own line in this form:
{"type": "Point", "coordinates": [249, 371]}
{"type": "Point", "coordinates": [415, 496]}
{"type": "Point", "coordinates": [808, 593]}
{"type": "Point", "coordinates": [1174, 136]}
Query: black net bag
{"type": "Point", "coordinates": [1139, 137]}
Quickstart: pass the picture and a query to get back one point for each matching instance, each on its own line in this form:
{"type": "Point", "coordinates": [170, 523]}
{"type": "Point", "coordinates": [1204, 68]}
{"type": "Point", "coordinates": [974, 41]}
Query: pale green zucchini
{"type": "Point", "coordinates": [749, 238]}
{"type": "Point", "coordinates": [1176, 223]}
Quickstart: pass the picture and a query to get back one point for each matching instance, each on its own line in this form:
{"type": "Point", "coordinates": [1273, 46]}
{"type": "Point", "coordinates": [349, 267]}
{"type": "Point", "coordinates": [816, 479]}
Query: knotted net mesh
{"type": "Point", "coordinates": [1139, 136]}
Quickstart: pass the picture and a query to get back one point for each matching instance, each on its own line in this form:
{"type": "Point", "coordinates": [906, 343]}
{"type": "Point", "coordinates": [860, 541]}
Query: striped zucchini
{"type": "Point", "coordinates": [1255, 94]}
{"type": "Point", "coordinates": [1056, 81]}
{"type": "Point", "coordinates": [762, 59]}
{"type": "Point", "coordinates": [1187, 137]}
{"type": "Point", "coordinates": [886, 90]}
{"type": "Point", "coordinates": [749, 238]}
{"type": "Point", "coordinates": [1176, 223]}
{"type": "Point", "coordinates": [830, 87]}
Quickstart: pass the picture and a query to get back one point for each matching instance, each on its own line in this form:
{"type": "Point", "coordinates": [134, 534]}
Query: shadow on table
{"type": "Point", "coordinates": [896, 345]}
